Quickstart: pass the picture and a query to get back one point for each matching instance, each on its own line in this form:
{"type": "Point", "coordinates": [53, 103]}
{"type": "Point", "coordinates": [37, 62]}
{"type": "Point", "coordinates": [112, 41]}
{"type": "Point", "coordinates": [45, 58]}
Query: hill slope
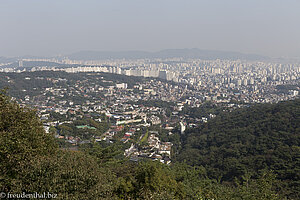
{"type": "Point", "coordinates": [247, 141]}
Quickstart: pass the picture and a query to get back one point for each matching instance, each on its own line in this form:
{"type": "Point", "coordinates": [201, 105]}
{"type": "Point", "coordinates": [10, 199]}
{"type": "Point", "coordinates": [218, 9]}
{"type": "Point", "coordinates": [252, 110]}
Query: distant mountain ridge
{"type": "Point", "coordinates": [7, 60]}
{"type": "Point", "coordinates": [168, 53]}
{"type": "Point", "coordinates": [30, 64]}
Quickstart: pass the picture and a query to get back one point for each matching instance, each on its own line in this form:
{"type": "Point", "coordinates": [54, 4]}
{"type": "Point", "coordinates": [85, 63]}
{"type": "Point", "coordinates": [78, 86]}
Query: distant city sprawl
{"type": "Point", "coordinates": [144, 104]}
{"type": "Point", "coordinates": [247, 81]}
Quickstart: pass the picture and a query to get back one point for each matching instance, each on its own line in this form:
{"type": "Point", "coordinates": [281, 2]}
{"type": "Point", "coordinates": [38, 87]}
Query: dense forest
{"type": "Point", "coordinates": [246, 142]}
{"type": "Point", "coordinates": [216, 160]}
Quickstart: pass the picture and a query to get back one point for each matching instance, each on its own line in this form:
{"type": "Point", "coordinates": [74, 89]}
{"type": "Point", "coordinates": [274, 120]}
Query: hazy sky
{"type": "Point", "coordinates": [51, 27]}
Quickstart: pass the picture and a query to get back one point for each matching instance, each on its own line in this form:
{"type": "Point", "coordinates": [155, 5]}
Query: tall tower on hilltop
{"type": "Point", "coordinates": [20, 63]}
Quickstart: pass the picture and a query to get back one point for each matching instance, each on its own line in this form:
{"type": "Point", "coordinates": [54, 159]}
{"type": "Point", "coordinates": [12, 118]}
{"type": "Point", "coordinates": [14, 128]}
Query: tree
{"type": "Point", "coordinates": [30, 160]}
{"type": "Point", "coordinates": [22, 142]}
{"type": "Point", "coordinates": [156, 180]}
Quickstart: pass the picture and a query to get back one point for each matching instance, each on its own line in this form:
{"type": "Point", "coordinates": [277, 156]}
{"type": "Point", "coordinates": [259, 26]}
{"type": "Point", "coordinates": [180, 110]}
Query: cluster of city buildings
{"type": "Point", "coordinates": [175, 83]}
{"type": "Point", "coordinates": [252, 82]}
{"type": "Point", "coordinates": [155, 150]}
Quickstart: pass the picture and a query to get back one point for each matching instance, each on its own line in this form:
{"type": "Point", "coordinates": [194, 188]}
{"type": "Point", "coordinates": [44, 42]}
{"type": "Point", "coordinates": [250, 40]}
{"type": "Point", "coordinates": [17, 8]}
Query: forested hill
{"type": "Point", "coordinates": [249, 140]}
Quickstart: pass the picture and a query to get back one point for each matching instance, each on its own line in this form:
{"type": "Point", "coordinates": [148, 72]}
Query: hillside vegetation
{"type": "Point", "coordinates": [248, 141]}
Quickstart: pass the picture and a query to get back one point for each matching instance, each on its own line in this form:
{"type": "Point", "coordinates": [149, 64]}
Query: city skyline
{"type": "Point", "coordinates": [50, 28]}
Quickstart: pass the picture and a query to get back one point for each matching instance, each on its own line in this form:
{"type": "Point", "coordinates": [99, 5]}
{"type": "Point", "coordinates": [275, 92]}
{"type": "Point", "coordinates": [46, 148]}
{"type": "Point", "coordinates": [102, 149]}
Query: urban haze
{"type": "Point", "coordinates": [49, 28]}
{"type": "Point", "coordinates": [160, 99]}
